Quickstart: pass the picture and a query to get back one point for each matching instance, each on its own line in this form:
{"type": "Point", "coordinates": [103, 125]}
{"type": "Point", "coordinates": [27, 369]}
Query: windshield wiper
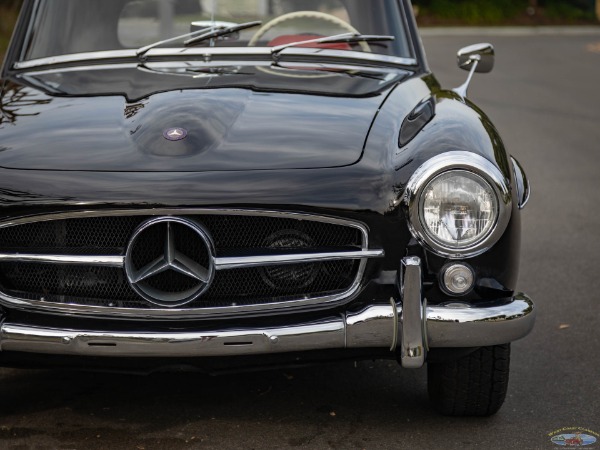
{"type": "Point", "coordinates": [221, 31]}
{"type": "Point", "coordinates": [348, 38]}
{"type": "Point", "coordinates": [143, 50]}
{"type": "Point", "coordinates": [198, 36]}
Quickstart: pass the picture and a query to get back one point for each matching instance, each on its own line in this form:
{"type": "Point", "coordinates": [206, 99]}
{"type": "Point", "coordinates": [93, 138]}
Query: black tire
{"type": "Point", "coordinates": [474, 385]}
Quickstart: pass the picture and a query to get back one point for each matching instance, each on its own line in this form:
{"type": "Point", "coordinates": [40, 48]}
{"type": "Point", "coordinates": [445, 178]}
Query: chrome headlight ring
{"type": "Point", "coordinates": [457, 162]}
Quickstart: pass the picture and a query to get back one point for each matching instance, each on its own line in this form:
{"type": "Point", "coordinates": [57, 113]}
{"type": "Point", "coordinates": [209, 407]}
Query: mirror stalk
{"type": "Point", "coordinates": [474, 58]}
{"type": "Point", "coordinates": [462, 89]}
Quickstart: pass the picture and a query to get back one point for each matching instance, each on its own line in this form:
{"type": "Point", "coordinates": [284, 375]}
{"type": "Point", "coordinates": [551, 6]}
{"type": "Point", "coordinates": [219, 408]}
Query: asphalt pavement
{"type": "Point", "coordinates": [544, 97]}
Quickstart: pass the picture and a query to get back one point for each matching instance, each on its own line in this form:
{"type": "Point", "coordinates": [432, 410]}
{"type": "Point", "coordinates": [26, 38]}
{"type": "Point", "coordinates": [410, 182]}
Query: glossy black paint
{"type": "Point", "coordinates": [369, 190]}
{"type": "Point", "coordinates": [91, 138]}
{"type": "Point", "coordinates": [416, 120]}
{"type": "Point", "coordinates": [229, 129]}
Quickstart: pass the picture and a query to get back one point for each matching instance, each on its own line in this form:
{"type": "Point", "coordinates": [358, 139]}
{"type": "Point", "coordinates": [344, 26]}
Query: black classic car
{"type": "Point", "coordinates": [234, 184]}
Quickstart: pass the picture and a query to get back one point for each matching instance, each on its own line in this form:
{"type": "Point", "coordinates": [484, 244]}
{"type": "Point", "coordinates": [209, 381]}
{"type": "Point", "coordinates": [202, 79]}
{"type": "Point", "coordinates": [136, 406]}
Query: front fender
{"type": "Point", "coordinates": [457, 125]}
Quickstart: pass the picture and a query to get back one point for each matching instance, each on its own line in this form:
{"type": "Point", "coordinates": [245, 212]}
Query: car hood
{"type": "Point", "coordinates": [73, 120]}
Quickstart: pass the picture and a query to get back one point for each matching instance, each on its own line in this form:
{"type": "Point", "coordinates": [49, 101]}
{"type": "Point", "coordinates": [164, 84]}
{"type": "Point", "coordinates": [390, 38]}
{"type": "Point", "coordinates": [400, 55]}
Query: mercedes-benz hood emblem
{"type": "Point", "coordinates": [175, 134]}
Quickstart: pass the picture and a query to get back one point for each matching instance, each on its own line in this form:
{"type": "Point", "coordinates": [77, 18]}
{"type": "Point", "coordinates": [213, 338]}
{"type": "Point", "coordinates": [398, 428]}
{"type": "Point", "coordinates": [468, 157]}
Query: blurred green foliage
{"type": "Point", "coordinates": [491, 12]}
{"type": "Point", "coordinates": [9, 10]}
{"type": "Point", "coordinates": [570, 10]}
{"type": "Point", "coordinates": [472, 11]}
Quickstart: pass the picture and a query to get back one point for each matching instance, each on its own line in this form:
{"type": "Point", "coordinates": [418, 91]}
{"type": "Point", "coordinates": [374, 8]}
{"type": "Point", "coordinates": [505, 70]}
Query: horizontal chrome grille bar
{"type": "Point", "coordinates": [220, 263]}
{"type": "Point", "coordinates": [257, 261]}
{"type": "Point", "coordinates": [86, 260]}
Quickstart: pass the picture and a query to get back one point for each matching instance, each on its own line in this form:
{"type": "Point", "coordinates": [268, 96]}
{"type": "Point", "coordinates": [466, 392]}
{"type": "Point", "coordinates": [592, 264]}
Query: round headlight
{"type": "Point", "coordinates": [458, 204]}
{"type": "Point", "coordinates": [458, 209]}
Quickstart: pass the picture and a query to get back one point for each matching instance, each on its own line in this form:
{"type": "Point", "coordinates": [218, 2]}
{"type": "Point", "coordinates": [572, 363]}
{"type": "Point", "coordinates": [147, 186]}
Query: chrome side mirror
{"type": "Point", "coordinates": [474, 58]}
{"type": "Point", "coordinates": [483, 54]}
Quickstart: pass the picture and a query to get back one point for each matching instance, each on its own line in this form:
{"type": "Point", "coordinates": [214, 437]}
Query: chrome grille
{"type": "Point", "coordinates": [322, 261]}
{"type": "Point", "coordinates": [231, 234]}
{"type": "Point", "coordinates": [102, 286]}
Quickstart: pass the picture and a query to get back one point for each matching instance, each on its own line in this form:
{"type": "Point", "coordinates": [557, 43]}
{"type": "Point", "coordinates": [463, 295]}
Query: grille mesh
{"type": "Point", "coordinates": [74, 234]}
{"type": "Point", "coordinates": [232, 235]}
{"type": "Point", "coordinates": [229, 233]}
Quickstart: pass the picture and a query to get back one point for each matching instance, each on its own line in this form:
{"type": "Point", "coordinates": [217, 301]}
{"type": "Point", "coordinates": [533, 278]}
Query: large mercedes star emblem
{"type": "Point", "coordinates": [170, 261]}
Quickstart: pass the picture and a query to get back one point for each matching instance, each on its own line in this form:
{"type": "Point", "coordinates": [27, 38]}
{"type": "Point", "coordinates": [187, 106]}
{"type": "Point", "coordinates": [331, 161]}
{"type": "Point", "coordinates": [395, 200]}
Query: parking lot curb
{"type": "Point", "coordinates": [510, 31]}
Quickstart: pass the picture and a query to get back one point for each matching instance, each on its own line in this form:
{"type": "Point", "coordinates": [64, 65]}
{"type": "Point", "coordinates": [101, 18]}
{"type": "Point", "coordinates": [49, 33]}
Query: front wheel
{"type": "Point", "coordinates": [474, 385]}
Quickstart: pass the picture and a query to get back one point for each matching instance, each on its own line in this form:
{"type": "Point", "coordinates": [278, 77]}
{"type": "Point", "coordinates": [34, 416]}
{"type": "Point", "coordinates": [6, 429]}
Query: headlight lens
{"type": "Point", "coordinates": [458, 209]}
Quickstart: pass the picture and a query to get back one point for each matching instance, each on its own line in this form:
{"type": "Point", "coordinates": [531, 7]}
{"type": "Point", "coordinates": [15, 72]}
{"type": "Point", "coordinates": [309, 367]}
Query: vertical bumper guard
{"type": "Point", "coordinates": [413, 349]}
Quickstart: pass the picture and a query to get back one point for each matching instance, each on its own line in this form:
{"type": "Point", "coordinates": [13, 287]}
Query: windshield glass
{"type": "Point", "coordinates": [64, 27]}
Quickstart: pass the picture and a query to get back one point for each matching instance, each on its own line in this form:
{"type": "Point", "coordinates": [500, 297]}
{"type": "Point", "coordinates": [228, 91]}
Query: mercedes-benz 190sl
{"type": "Point", "coordinates": [240, 184]}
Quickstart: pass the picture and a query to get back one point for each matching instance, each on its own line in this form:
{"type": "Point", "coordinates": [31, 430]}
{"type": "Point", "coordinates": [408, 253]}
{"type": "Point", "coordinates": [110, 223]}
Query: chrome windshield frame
{"type": "Point", "coordinates": [218, 53]}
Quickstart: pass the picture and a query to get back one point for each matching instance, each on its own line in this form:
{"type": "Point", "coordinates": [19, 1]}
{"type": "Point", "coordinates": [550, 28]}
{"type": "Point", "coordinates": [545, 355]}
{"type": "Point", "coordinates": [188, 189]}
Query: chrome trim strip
{"type": "Point", "coordinates": [373, 327]}
{"type": "Point", "coordinates": [187, 313]}
{"type": "Point", "coordinates": [179, 212]}
{"type": "Point", "coordinates": [457, 160]}
{"type": "Point", "coordinates": [523, 183]}
{"type": "Point", "coordinates": [228, 263]}
{"type": "Point", "coordinates": [328, 66]}
{"type": "Point", "coordinates": [177, 314]}
{"type": "Point", "coordinates": [259, 261]}
{"type": "Point", "coordinates": [308, 52]}
{"type": "Point", "coordinates": [214, 52]}
{"type": "Point", "coordinates": [33, 24]}
{"type": "Point", "coordinates": [413, 347]}
{"type": "Point", "coordinates": [79, 68]}
{"type": "Point", "coordinates": [75, 57]}
{"type": "Point", "coordinates": [22, 338]}
{"type": "Point", "coordinates": [89, 260]}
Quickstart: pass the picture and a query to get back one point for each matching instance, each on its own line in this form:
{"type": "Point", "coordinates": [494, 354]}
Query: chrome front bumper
{"type": "Point", "coordinates": [408, 326]}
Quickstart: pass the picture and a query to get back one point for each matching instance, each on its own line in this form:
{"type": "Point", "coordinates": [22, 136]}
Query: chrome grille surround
{"type": "Point", "coordinates": [229, 262]}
